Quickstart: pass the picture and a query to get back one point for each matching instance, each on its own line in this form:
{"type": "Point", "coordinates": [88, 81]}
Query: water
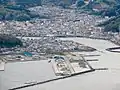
{"type": "Point", "coordinates": [19, 73]}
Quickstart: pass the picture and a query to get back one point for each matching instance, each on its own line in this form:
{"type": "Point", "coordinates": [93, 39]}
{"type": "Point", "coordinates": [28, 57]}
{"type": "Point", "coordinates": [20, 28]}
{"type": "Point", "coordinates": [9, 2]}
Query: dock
{"type": "Point", "coordinates": [2, 65]}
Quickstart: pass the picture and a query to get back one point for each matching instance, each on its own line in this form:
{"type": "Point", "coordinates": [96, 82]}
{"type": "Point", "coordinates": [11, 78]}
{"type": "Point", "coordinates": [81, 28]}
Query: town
{"type": "Point", "coordinates": [62, 43]}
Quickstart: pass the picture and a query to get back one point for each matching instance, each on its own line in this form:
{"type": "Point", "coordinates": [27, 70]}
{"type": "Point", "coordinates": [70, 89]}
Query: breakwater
{"type": "Point", "coordinates": [114, 49]}
{"type": "Point", "coordinates": [25, 86]}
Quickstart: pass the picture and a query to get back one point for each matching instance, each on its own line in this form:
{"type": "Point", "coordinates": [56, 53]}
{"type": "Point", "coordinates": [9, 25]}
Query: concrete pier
{"type": "Point", "coordinates": [2, 65]}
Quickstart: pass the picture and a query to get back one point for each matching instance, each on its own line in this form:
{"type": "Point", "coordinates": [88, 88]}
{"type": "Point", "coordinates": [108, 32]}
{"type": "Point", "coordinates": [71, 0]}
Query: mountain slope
{"type": "Point", "coordinates": [11, 11]}
{"type": "Point", "coordinates": [102, 7]}
{"type": "Point", "coordinates": [112, 25]}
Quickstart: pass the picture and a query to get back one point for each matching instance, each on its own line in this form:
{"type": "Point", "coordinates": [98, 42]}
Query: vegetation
{"type": "Point", "coordinates": [104, 8]}
{"type": "Point", "coordinates": [80, 3]}
{"type": "Point", "coordinates": [15, 12]}
{"type": "Point", "coordinates": [112, 24]}
{"type": "Point", "coordinates": [25, 3]}
{"type": "Point", "coordinates": [9, 41]}
{"type": "Point", "coordinates": [101, 7]}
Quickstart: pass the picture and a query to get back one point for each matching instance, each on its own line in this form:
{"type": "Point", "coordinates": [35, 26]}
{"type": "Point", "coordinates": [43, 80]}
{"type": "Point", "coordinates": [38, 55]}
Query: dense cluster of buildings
{"type": "Point", "coordinates": [52, 45]}
{"type": "Point", "coordinates": [59, 22]}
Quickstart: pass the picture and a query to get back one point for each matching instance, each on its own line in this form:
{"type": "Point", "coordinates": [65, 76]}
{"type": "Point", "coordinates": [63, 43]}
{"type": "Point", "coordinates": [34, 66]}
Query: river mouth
{"type": "Point", "coordinates": [19, 73]}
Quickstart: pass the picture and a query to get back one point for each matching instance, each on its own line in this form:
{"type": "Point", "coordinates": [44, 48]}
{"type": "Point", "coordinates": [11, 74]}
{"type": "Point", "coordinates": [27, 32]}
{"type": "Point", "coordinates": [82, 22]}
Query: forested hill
{"type": "Point", "coordinates": [103, 7]}
{"type": "Point", "coordinates": [16, 9]}
{"type": "Point", "coordinates": [12, 11]}
{"type": "Point", "coordinates": [90, 4]}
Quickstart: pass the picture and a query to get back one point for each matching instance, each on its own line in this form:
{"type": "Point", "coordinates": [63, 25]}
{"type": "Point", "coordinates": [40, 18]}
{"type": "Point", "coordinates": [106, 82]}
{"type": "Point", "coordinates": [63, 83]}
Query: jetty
{"type": "Point", "coordinates": [2, 65]}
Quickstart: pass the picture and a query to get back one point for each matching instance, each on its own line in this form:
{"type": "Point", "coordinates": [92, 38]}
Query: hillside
{"type": "Point", "coordinates": [15, 12]}
{"type": "Point", "coordinates": [100, 7]}
{"type": "Point", "coordinates": [112, 24]}
{"type": "Point", "coordinates": [104, 8]}
{"type": "Point", "coordinates": [84, 4]}
{"type": "Point", "coordinates": [111, 8]}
